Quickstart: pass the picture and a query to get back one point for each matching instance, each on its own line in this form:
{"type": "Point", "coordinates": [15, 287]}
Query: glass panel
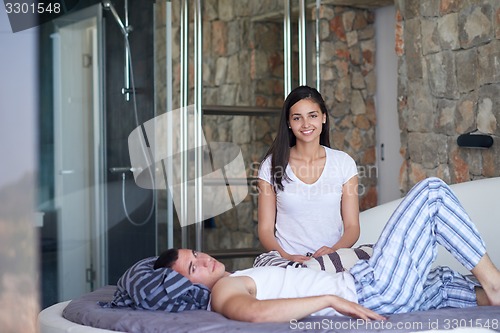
{"type": "Point", "coordinates": [243, 91]}
{"type": "Point", "coordinates": [243, 67]}
{"type": "Point", "coordinates": [97, 221]}
{"type": "Point", "coordinates": [71, 193]}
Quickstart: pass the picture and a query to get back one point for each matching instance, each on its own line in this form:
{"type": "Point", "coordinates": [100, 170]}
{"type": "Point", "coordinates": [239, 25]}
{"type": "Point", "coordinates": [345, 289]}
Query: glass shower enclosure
{"type": "Point", "coordinates": [222, 72]}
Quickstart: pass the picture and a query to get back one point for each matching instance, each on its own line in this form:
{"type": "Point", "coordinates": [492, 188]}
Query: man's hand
{"type": "Point", "coordinates": [354, 310]}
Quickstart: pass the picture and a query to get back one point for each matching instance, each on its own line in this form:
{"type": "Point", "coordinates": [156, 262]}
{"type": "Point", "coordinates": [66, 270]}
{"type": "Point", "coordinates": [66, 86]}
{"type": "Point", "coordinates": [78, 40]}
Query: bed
{"type": "Point", "coordinates": [480, 198]}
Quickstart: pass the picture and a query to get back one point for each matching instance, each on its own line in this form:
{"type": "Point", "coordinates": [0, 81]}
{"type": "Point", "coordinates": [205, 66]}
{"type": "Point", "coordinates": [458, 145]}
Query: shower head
{"type": "Point", "coordinates": [109, 6]}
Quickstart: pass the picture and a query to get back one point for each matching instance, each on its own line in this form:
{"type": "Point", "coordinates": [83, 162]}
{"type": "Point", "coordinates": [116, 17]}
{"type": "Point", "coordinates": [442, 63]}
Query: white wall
{"type": "Point", "coordinates": [18, 101]}
{"type": "Point", "coordinates": [388, 134]}
{"type": "Point", "coordinates": [18, 118]}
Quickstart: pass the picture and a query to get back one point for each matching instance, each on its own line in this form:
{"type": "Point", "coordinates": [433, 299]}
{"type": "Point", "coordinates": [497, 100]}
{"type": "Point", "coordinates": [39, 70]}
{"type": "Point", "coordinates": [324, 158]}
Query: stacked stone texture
{"type": "Point", "coordinates": [449, 84]}
{"type": "Point", "coordinates": [348, 84]}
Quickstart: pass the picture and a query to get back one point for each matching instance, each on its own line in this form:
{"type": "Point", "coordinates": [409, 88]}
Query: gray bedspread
{"type": "Point", "coordinates": [86, 311]}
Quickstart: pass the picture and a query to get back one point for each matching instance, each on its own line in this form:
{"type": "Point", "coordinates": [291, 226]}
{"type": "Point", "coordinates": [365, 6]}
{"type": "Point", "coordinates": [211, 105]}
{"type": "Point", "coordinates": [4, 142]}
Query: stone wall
{"type": "Point", "coordinates": [449, 84]}
{"type": "Point", "coordinates": [348, 84]}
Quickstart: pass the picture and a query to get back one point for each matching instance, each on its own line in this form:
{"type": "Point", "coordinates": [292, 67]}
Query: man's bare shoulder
{"type": "Point", "coordinates": [231, 286]}
{"type": "Point", "coordinates": [234, 284]}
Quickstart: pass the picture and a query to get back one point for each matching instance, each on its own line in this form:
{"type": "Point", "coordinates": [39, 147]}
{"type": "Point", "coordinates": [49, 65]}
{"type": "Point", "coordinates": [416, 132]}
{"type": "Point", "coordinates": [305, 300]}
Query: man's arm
{"type": "Point", "coordinates": [232, 298]}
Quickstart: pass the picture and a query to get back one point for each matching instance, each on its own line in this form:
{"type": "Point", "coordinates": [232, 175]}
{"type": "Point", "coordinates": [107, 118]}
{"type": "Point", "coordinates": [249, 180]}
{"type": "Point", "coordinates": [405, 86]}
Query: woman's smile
{"type": "Point", "coordinates": [307, 132]}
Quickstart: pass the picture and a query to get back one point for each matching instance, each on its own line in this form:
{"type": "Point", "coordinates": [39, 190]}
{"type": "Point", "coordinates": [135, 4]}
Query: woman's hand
{"type": "Point", "coordinates": [322, 251]}
{"type": "Point", "coordinates": [296, 257]}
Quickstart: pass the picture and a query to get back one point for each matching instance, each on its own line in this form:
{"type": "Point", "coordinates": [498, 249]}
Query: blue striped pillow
{"type": "Point", "coordinates": [142, 287]}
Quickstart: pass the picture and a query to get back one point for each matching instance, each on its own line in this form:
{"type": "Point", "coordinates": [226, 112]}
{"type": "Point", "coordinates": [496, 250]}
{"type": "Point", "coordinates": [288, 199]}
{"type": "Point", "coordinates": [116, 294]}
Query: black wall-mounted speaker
{"type": "Point", "coordinates": [470, 140]}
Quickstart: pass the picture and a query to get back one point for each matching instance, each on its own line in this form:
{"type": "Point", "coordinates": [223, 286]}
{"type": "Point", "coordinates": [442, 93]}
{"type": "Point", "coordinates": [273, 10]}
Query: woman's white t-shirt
{"type": "Point", "coordinates": [308, 216]}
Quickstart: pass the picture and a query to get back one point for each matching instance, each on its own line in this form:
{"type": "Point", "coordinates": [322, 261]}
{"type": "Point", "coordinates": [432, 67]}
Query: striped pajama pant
{"type": "Point", "coordinates": [398, 277]}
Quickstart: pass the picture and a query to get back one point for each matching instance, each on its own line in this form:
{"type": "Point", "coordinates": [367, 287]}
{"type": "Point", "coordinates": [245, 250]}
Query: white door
{"type": "Point", "coordinates": [77, 163]}
{"type": "Point", "coordinates": [388, 134]}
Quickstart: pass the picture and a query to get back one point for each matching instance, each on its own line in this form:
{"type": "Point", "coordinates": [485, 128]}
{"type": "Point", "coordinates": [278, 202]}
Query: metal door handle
{"type": "Point", "coordinates": [66, 172]}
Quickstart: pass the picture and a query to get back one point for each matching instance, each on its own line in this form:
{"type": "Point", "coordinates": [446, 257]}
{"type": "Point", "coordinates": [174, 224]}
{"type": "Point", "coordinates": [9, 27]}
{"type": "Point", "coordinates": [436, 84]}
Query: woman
{"type": "Point", "coordinates": [308, 199]}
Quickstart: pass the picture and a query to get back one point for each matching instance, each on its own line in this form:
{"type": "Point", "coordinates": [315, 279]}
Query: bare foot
{"type": "Point", "coordinates": [493, 293]}
{"type": "Point", "coordinates": [481, 297]}
{"type": "Point", "coordinates": [489, 278]}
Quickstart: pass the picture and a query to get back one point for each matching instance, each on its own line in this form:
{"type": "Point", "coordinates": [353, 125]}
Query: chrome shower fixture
{"type": "Point", "coordinates": [125, 28]}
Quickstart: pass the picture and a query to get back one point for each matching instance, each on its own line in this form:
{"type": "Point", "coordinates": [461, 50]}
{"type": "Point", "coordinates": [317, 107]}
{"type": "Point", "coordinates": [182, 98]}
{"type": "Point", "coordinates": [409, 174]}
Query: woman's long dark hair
{"type": "Point", "coordinates": [285, 139]}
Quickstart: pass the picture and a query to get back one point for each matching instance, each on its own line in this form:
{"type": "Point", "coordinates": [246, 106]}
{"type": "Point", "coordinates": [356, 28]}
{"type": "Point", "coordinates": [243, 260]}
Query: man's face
{"type": "Point", "coordinates": [199, 267]}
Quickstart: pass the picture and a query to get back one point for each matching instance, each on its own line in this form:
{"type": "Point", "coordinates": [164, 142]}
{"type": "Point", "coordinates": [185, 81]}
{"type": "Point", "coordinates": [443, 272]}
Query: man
{"type": "Point", "coordinates": [397, 278]}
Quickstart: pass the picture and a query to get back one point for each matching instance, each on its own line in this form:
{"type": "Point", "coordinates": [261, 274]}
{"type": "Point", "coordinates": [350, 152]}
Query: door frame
{"type": "Point", "coordinates": [389, 159]}
{"type": "Point", "coordinates": [96, 240]}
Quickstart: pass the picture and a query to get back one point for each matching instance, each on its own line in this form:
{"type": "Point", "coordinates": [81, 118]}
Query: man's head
{"type": "Point", "coordinates": [198, 267]}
